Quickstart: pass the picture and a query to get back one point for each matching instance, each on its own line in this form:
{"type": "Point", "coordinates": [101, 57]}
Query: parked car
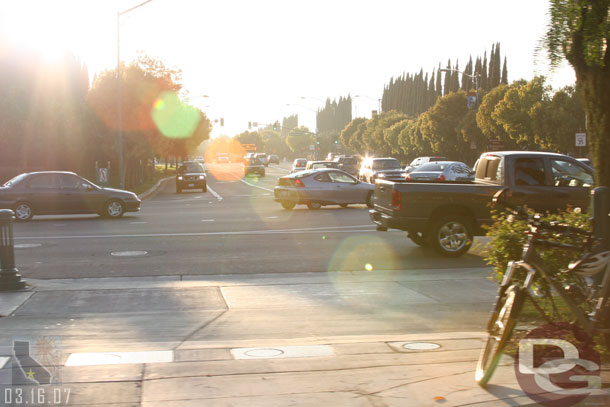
{"type": "Point", "coordinates": [586, 161]}
{"type": "Point", "coordinates": [447, 216]}
{"type": "Point", "coordinates": [419, 161]}
{"type": "Point", "coordinates": [273, 159]}
{"type": "Point", "coordinates": [442, 171]}
{"type": "Point", "coordinates": [191, 175]}
{"type": "Point", "coordinates": [299, 165]}
{"type": "Point", "coordinates": [254, 165]}
{"type": "Point", "coordinates": [60, 192]}
{"type": "Point", "coordinates": [316, 165]}
{"type": "Point", "coordinates": [316, 188]}
{"type": "Point", "coordinates": [348, 164]}
{"type": "Point", "coordinates": [383, 168]}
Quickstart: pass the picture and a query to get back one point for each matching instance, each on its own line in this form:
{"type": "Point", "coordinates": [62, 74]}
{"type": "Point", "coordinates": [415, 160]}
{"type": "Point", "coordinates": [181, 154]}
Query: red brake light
{"type": "Point", "coordinates": [408, 177]}
{"type": "Point", "coordinates": [396, 200]}
{"type": "Point", "coordinates": [442, 177]}
{"type": "Point", "coordinates": [299, 183]}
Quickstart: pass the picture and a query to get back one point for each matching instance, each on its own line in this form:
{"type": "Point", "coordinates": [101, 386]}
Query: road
{"type": "Point", "coordinates": [234, 228]}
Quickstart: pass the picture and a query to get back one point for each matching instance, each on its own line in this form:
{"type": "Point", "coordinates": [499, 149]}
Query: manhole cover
{"type": "Point", "coordinates": [421, 346]}
{"type": "Point", "coordinates": [264, 353]}
{"type": "Point", "coordinates": [130, 253]}
{"type": "Point", "coordinates": [27, 245]}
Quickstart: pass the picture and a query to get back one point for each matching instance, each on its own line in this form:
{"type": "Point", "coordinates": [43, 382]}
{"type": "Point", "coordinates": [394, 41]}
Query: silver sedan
{"type": "Point", "coordinates": [316, 188]}
{"type": "Point", "coordinates": [442, 171]}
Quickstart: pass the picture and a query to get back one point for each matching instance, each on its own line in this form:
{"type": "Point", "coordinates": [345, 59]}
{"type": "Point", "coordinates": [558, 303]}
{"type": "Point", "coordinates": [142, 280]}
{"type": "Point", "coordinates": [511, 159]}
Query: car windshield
{"type": "Point", "coordinates": [211, 269]}
{"type": "Point", "coordinates": [387, 164]}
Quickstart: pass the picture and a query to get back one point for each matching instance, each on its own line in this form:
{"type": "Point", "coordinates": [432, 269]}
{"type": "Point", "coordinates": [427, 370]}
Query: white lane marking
{"type": "Point", "coordinates": [27, 245]}
{"type": "Point", "coordinates": [271, 217]}
{"type": "Point", "coordinates": [137, 223]}
{"type": "Point", "coordinates": [210, 190]}
{"type": "Point", "coordinates": [256, 186]}
{"type": "Point", "coordinates": [345, 229]}
{"type": "Point", "coordinates": [120, 358]}
{"type": "Point", "coordinates": [207, 220]}
{"type": "Point", "coordinates": [3, 361]}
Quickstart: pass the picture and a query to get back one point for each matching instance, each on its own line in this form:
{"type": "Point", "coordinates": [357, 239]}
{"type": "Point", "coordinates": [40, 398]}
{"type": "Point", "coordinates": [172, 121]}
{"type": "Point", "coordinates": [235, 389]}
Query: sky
{"type": "Point", "coordinates": [262, 60]}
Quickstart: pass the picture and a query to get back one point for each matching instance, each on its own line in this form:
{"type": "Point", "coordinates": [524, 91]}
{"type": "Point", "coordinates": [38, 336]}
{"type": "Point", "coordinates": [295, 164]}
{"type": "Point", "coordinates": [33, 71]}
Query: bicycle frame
{"type": "Point", "coordinates": [531, 263]}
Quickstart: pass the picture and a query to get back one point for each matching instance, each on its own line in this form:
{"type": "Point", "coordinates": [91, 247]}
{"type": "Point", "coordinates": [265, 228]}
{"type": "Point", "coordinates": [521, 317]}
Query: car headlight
{"type": "Point", "coordinates": [180, 178]}
{"type": "Point", "coordinates": [379, 175]}
{"type": "Point", "coordinates": [201, 176]}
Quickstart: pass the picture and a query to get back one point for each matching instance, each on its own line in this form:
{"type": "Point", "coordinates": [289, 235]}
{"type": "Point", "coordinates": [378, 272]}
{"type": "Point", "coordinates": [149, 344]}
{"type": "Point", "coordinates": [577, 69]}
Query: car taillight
{"type": "Point", "coordinates": [441, 177]}
{"type": "Point", "coordinates": [279, 181]}
{"type": "Point", "coordinates": [396, 200]}
{"type": "Point", "coordinates": [408, 177]}
{"type": "Point", "coordinates": [299, 183]}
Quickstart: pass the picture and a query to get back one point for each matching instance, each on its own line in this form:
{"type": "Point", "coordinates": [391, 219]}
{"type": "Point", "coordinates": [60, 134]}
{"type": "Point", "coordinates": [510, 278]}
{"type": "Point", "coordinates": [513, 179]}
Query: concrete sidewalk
{"type": "Point", "coordinates": [319, 339]}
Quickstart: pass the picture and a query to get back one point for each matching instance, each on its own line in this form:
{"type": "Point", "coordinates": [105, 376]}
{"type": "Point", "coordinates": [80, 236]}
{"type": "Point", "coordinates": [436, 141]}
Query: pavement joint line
{"type": "Point", "coordinates": [256, 186]}
{"type": "Point", "coordinates": [327, 229]}
{"type": "Point", "coordinates": [216, 195]}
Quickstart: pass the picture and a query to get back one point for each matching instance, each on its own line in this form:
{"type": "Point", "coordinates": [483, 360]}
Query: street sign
{"type": "Point", "coordinates": [495, 145]}
{"type": "Point", "coordinates": [581, 139]}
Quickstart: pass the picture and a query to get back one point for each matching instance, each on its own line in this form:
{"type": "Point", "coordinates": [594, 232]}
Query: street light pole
{"type": "Point", "coordinates": [118, 72]}
{"type": "Point", "coordinates": [475, 77]}
{"type": "Point", "coordinates": [372, 98]}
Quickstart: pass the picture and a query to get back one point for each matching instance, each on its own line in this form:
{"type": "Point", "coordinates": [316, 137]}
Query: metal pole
{"type": "Point", "coordinates": [10, 279]}
{"type": "Point", "coordinates": [119, 118]}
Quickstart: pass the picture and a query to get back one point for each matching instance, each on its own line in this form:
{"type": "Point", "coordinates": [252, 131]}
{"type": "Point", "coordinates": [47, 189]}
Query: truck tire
{"type": "Point", "coordinates": [451, 235]}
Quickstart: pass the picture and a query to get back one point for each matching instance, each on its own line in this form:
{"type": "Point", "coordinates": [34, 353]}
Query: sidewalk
{"type": "Point", "coordinates": [265, 340]}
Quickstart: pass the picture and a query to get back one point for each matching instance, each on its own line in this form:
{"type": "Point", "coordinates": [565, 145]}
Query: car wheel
{"type": "Point", "coordinates": [369, 200]}
{"type": "Point", "coordinates": [343, 205]}
{"type": "Point", "coordinates": [288, 204]}
{"type": "Point", "coordinates": [114, 209]}
{"type": "Point", "coordinates": [314, 205]}
{"type": "Point", "coordinates": [205, 187]}
{"type": "Point", "coordinates": [451, 235]}
{"type": "Point", "coordinates": [23, 211]}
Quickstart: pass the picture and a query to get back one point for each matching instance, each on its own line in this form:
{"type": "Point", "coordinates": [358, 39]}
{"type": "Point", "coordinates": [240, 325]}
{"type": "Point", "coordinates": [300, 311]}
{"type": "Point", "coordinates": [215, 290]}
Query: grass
{"type": "Point", "coordinates": [160, 173]}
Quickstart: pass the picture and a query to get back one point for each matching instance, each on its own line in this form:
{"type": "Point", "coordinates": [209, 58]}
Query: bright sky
{"type": "Point", "coordinates": [253, 57]}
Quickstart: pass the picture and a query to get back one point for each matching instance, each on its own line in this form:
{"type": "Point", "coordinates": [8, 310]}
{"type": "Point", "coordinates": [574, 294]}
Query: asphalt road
{"type": "Point", "coordinates": [234, 228]}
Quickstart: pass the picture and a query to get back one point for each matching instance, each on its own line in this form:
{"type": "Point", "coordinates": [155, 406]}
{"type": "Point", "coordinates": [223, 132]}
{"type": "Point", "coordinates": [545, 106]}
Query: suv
{"type": "Point", "coordinates": [382, 168]}
{"type": "Point", "coordinates": [419, 161]}
{"type": "Point", "coordinates": [299, 165]}
{"type": "Point", "coordinates": [254, 165]}
{"type": "Point", "coordinates": [273, 158]}
{"type": "Point", "coordinates": [348, 164]}
{"type": "Point", "coordinates": [191, 175]}
{"type": "Point", "coordinates": [263, 158]}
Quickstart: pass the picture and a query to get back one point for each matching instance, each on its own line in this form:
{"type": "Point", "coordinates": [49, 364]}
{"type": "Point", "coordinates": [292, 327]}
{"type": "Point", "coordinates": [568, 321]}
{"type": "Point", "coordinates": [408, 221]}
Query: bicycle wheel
{"type": "Point", "coordinates": [500, 329]}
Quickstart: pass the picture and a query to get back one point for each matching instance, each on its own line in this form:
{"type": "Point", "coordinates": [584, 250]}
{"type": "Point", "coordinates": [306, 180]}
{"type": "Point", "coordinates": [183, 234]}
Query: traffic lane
{"type": "Point", "coordinates": [253, 252]}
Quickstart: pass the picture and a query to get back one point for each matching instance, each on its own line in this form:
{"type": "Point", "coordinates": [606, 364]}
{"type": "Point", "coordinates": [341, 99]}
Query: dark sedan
{"type": "Point", "coordinates": [316, 188]}
{"type": "Point", "coordinates": [58, 192]}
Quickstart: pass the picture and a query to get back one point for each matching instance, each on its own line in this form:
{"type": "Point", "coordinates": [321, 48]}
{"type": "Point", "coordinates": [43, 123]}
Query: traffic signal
{"type": "Point", "coordinates": [318, 143]}
{"type": "Point", "coordinates": [249, 125]}
{"type": "Point", "coordinates": [336, 141]}
{"type": "Point", "coordinates": [222, 121]}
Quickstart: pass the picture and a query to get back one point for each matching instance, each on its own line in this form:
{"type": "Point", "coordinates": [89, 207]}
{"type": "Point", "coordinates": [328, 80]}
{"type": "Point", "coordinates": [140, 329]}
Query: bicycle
{"type": "Point", "coordinates": [593, 268]}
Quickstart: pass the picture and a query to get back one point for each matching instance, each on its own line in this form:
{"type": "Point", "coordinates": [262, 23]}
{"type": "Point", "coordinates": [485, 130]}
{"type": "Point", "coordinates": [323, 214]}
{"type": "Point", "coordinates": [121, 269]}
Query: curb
{"type": "Point", "coordinates": [154, 189]}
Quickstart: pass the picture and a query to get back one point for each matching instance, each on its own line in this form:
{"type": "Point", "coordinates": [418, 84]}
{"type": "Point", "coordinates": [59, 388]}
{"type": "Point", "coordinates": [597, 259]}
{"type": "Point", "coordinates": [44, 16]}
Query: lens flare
{"type": "Point", "coordinates": [368, 267]}
{"type": "Point", "coordinates": [173, 118]}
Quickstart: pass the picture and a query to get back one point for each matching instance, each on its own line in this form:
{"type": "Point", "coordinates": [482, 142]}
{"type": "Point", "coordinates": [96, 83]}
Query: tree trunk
{"type": "Point", "coordinates": [595, 85]}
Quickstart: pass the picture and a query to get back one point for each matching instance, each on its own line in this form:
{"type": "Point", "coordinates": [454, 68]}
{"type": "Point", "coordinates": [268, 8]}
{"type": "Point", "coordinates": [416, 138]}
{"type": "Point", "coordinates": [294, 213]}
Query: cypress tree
{"type": "Point", "coordinates": [483, 83]}
{"type": "Point", "coordinates": [447, 84]}
{"type": "Point", "coordinates": [504, 73]}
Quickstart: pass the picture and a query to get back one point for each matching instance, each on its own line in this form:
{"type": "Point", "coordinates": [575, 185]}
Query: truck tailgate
{"type": "Point", "coordinates": [383, 196]}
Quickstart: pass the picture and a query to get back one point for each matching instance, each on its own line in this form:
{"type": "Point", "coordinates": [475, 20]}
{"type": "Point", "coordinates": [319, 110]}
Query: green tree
{"type": "Point", "coordinates": [579, 31]}
{"type": "Point", "coordinates": [299, 139]}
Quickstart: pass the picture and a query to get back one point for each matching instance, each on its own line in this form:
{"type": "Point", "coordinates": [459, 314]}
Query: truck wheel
{"type": "Point", "coordinates": [288, 204]}
{"type": "Point", "coordinates": [451, 235]}
{"type": "Point", "coordinates": [418, 238]}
